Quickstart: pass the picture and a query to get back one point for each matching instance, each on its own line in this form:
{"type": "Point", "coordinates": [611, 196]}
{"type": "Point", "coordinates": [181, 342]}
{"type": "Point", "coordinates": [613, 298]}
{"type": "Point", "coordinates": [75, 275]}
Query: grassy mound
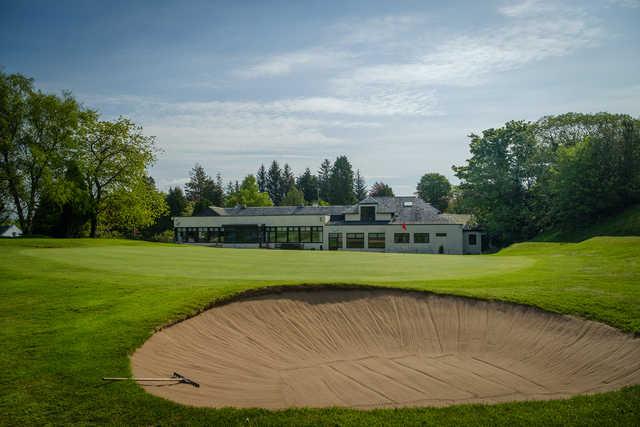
{"type": "Point", "coordinates": [625, 223]}
{"type": "Point", "coordinates": [72, 311]}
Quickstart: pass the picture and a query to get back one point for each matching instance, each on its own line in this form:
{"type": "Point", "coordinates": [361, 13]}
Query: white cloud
{"type": "Point", "coordinates": [525, 8]}
{"type": "Point", "coordinates": [467, 60]}
{"type": "Point", "coordinates": [286, 63]}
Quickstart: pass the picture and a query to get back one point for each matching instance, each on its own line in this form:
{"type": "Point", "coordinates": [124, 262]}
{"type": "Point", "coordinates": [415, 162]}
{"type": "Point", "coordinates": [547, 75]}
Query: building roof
{"type": "Point", "coordinates": [403, 210]}
{"type": "Point", "coordinates": [273, 210]}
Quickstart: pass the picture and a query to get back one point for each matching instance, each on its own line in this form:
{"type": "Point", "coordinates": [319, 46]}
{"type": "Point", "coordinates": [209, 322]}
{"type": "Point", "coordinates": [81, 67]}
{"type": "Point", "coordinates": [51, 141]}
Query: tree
{"type": "Point", "coordinates": [133, 208]}
{"type": "Point", "coordinates": [496, 184]}
{"type": "Point", "coordinates": [324, 177]}
{"type": "Point", "coordinates": [294, 197]}
{"type": "Point", "coordinates": [274, 183]}
{"type": "Point", "coordinates": [308, 184]}
{"type": "Point", "coordinates": [202, 190]}
{"type": "Point", "coordinates": [36, 139]}
{"type": "Point", "coordinates": [261, 178]}
{"type": "Point", "coordinates": [359, 187]}
{"type": "Point", "coordinates": [176, 202]}
{"type": "Point", "coordinates": [288, 180]}
{"type": "Point", "coordinates": [64, 216]}
{"type": "Point", "coordinates": [341, 182]}
{"type": "Point", "coordinates": [434, 188]}
{"type": "Point", "coordinates": [248, 194]}
{"type": "Point", "coordinates": [113, 157]}
{"type": "Point", "coordinates": [380, 189]}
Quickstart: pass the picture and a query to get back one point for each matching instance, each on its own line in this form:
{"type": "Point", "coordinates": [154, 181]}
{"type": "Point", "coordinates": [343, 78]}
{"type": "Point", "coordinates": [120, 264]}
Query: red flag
{"type": "Point", "coordinates": [404, 226]}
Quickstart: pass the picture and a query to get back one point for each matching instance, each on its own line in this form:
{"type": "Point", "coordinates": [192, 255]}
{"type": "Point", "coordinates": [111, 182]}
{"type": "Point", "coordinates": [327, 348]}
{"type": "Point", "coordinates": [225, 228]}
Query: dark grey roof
{"type": "Point", "coordinates": [275, 210]}
{"type": "Point", "coordinates": [403, 210]}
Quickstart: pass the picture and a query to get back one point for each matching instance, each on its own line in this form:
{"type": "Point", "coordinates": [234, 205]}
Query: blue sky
{"type": "Point", "coordinates": [396, 85]}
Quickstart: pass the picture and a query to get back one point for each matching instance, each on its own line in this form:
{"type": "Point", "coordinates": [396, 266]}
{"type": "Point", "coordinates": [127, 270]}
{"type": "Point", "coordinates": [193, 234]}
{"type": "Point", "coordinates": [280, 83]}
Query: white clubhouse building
{"type": "Point", "coordinates": [382, 224]}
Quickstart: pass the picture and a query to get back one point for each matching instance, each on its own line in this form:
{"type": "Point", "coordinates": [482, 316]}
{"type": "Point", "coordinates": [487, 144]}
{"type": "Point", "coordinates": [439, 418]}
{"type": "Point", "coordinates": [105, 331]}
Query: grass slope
{"type": "Point", "coordinates": [625, 223]}
{"type": "Point", "coordinates": [72, 311]}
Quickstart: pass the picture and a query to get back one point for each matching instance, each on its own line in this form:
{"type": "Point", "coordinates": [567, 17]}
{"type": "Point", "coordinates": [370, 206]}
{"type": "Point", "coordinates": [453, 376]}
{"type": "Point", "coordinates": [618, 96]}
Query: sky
{"type": "Point", "coordinates": [397, 86]}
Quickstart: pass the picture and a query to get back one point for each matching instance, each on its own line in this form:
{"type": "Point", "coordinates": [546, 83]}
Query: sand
{"type": "Point", "coordinates": [383, 348]}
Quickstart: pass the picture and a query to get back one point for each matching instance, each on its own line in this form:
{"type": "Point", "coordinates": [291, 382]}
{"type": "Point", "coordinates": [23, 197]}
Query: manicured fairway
{"type": "Point", "coordinates": [71, 311]}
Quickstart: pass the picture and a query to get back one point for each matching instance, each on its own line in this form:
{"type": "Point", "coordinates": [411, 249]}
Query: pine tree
{"type": "Point", "coordinates": [308, 184]}
{"type": "Point", "coordinates": [261, 178]}
{"type": "Point", "coordinates": [288, 180]}
{"type": "Point", "coordinates": [202, 190]}
{"type": "Point", "coordinates": [324, 175]}
{"type": "Point", "coordinates": [359, 187]}
{"type": "Point", "coordinates": [341, 182]}
{"type": "Point", "coordinates": [274, 183]}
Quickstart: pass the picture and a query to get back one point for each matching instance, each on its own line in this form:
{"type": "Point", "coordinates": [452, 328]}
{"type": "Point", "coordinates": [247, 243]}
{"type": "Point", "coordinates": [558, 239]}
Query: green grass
{"type": "Point", "coordinates": [625, 223]}
{"type": "Point", "coordinates": [72, 311]}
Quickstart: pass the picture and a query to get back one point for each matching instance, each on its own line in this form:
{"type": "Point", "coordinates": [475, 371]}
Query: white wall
{"type": "Point", "coordinates": [452, 243]}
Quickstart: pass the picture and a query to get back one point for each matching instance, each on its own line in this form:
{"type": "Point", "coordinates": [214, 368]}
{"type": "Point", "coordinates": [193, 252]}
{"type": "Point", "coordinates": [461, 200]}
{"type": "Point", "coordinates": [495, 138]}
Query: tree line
{"type": "Point", "coordinates": [560, 173]}
{"type": "Point", "coordinates": [65, 171]}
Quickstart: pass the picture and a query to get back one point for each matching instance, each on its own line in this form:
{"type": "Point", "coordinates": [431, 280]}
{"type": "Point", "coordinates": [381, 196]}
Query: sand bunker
{"type": "Point", "coordinates": [383, 348]}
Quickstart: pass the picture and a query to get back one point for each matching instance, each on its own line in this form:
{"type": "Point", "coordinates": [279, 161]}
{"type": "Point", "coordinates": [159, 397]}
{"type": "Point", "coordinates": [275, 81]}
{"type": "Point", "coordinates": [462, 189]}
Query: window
{"type": "Point", "coordinates": [355, 240]}
{"type": "Point", "coordinates": [376, 240]}
{"type": "Point", "coordinates": [316, 234]}
{"type": "Point", "coordinates": [421, 238]}
{"type": "Point", "coordinates": [368, 213]}
{"type": "Point", "coordinates": [441, 234]}
{"type": "Point", "coordinates": [293, 234]}
{"type": "Point", "coordinates": [214, 235]}
{"type": "Point", "coordinates": [270, 234]}
{"type": "Point", "coordinates": [305, 234]}
{"type": "Point", "coordinates": [335, 241]}
{"type": "Point", "coordinates": [281, 235]}
{"type": "Point", "coordinates": [241, 233]}
{"type": "Point", "coordinates": [192, 235]}
{"type": "Point", "coordinates": [473, 240]}
{"type": "Point", "coordinates": [401, 238]}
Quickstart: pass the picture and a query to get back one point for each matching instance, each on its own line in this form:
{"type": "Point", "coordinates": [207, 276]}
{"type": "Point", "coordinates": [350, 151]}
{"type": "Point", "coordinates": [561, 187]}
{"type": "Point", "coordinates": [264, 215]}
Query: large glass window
{"type": "Point", "coordinates": [421, 238]}
{"type": "Point", "coordinates": [191, 235]}
{"type": "Point", "coordinates": [305, 234]}
{"type": "Point", "coordinates": [473, 239]}
{"type": "Point", "coordinates": [376, 240]}
{"type": "Point", "coordinates": [368, 213]}
{"type": "Point", "coordinates": [401, 238]}
{"type": "Point", "coordinates": [355, 240]}
{"type": "Point", "coordinates": [316, 234]}
{"type": "Point", "coordinates": [241, 234]}
{"type": "Point", "coordinates": [293, 234]}
{"type": "Point", "coordinates": [335, 241]}
{"type": "Point", "coordinates": [214, 235]}
{"type": "Point", "coordinates": [281, 235]}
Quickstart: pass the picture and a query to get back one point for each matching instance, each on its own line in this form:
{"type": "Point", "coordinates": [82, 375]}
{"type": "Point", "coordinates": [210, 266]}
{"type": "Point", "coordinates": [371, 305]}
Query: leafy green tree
{"type": "Point", "coordinates": [36, 139]}
{"type": "Point", "coordinates": [65, 216]}
{"type": "Point", "coordinates": [308, 184]}
{"type": "Point", "coordinates": [380, 189]}
{"type": "Point", "coordinates": [497, 181]}
{"type": "Point", "coordinates": [341, 182]}
{"type": "Point", "coordinates": [113, 157]}
{"type": "Point", "coordinates": [275, 183]}
{"type": "Point", "coordinates": [294, 197]}
{"type": "Point", "coordinates": [435, 188]}
{"type": "Point", "coordinates": [324, 179]}
{"type": "Point", "coordinates": [248, 194]}
{"type": "Point", "coordinates": [131, 209]}
{"type": "Point", "coordinates": [261, 178]}
{"type": "Point", "coordinates": [359, 186]}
